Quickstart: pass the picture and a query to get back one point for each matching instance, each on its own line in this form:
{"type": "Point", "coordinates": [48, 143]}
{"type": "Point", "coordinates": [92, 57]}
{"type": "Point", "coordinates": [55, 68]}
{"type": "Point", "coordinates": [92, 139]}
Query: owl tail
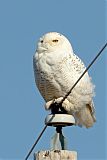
{"type": "Point", "coordinates": [85, 117]}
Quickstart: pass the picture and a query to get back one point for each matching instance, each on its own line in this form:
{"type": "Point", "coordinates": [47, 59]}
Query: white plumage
{"type": "Point", "coordinates": [56, 69]}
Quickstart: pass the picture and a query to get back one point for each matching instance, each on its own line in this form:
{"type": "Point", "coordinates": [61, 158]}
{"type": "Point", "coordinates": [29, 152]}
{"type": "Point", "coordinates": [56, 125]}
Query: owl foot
{"type": "Point", "coordinates": [48, 104]}
{"type": "Point", "coordinates": [65, 104]}
{"type": "Point", "coordinates": [55, 106]}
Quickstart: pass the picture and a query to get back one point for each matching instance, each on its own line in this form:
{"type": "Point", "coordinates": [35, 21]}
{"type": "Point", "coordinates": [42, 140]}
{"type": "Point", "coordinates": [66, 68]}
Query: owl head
{"type": "Point", "coordinates": [53, 41]}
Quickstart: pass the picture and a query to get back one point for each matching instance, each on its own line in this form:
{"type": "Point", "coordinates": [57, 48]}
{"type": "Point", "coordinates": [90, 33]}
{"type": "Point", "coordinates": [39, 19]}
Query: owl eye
{"type": "Point", "coordinates": [55, 40]}
{"type": "Point", "coordinates": [41, 41]}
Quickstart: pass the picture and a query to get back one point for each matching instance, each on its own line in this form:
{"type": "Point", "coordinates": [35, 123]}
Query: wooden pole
{"type": "Point", "coordinates": [55, 155]}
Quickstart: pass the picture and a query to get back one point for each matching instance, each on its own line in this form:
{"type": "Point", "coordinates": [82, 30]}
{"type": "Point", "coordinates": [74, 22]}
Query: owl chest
{"type": "Point", "coordinates": [51, 70]}
{"type": "Point", "coordinates": [45, 70]}
{"type": "Point", "coordinates": [46, 80]}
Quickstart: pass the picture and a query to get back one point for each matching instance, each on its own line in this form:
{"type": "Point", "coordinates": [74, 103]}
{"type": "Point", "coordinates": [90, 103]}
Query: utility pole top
{"type": "Point", "coordinates": [58, 150]}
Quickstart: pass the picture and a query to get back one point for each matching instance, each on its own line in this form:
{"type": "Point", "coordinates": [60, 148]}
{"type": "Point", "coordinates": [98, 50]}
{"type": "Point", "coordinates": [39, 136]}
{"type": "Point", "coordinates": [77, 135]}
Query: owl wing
{"type": "Point", "coordinates": [85, 116]}
{"type": "Point", "coordinates": [77, 67]}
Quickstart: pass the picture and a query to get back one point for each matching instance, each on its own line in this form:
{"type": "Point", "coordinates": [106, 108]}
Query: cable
{"type": "Point", "coordinates": [38, 138]}
{"type": "Point", "coordinates": [36, 142]}
{"type": "Point", "coordinates": [99, 53]}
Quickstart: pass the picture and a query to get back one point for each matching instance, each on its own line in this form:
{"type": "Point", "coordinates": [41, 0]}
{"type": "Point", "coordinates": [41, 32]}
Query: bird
{"type": "Point", "coordinates": [56, 69]}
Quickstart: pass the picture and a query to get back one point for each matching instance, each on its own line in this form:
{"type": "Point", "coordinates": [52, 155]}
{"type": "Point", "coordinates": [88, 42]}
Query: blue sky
{"type": "Point", "coordinates": [22, 113]}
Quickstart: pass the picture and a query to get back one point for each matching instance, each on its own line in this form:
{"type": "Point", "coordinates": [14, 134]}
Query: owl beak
{"type": "Point", "coordinates": [41, 49]}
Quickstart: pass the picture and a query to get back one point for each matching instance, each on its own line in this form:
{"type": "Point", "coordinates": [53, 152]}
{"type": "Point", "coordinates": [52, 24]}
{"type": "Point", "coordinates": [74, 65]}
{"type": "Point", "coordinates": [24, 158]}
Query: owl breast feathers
{"type": "Point", "coordinates": [56, 69]}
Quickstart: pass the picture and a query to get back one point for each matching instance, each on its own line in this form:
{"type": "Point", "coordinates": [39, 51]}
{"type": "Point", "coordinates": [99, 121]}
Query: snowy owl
{"type": "Point", "coordinates": [56, 69]}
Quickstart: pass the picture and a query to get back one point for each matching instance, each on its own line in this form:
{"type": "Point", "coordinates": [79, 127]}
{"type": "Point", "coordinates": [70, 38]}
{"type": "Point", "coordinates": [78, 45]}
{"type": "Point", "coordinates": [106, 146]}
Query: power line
{"type": "Point", "coordinates": [38, 138]}
{"type": "Point", "coordinates": [99, 53]}
{"type": "Point", "coordinates": [35, 142]}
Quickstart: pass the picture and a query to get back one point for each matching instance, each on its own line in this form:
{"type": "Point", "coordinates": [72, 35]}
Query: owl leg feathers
{"type": "Point", "coordinates": [48, 104]}
{"type": "Point", "coordinates": [66, 105]}
{"type": "Point", "coordinates": [56, 107]}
